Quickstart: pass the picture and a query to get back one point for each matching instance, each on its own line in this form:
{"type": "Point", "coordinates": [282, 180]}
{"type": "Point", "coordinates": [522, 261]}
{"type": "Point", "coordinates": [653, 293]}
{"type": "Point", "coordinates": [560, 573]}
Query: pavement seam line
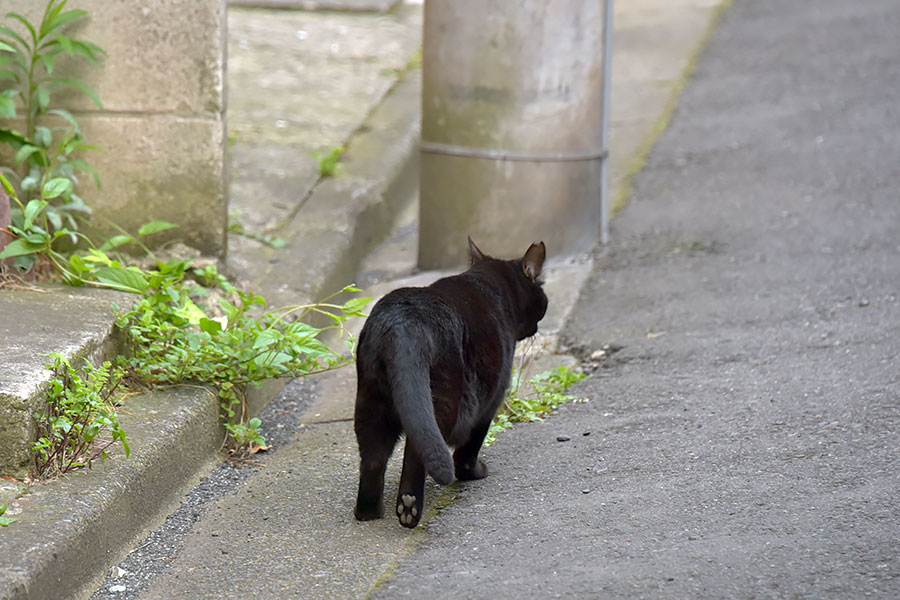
{"type": "Point", "coordinates": [444, 498]}
{"type": "Point", "coordinates": [624, 190]}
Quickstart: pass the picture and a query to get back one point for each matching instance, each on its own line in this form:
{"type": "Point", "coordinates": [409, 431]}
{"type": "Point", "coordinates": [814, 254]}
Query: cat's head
{"type": "Point", "coordinates": [524, 274]}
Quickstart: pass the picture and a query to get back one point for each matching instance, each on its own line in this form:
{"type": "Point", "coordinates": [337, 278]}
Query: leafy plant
{"type": "Point", "coordinates": [176, 338]}
{"type": "Point", "coordinates": [5, 521]}
{"type": "Point", "coordinates": [34, 239]}
{"type": "Point", "coordinates": [46, 152]}
{"type": "Point", "coordinates": [548, 391]}
{"type": "Point", "coordinates": [79, 409]}
{"type": "Point", "coordinates": [327, 163]}
{"type": "Point", "coordinates": [95, 266]}
{"type": "Point", "coordinates": [247, 434]}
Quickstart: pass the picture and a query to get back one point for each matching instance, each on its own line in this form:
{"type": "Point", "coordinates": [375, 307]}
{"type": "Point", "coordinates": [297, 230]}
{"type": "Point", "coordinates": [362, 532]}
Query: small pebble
{"type": "Point", "coordinates": [586, 433]}
{"type": "Point", "coordinates": [585, 491]}
{"type": "Point", "coordinates": [117, 588]}
{"type": "Point", "coordinates": [864, 302]}
{"type": "Point", "coordinates": [563, 438]}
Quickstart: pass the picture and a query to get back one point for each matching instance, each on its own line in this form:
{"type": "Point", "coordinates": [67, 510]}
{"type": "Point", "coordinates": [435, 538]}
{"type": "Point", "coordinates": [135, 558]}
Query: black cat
{"type": "Point", "coordinates": [434, 363]}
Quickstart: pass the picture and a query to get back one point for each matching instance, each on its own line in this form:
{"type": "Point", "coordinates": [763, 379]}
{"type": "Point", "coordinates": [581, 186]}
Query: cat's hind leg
{"type": "Point", "coordinates": [465, 458]}
{"type": "Point", "coordinates": [411, 496]}
{"type": "Point", "coordinates": [376, 435]}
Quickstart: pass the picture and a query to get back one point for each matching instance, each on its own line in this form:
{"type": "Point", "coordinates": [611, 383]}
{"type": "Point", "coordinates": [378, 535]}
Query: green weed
{"type": "Point", "coordinates": [5, 521]}
{"type": "Point", "coordinates": [547, 391]}
{"type": "Point", "coordinates": [79, 410]}
{"type": "Point", "coordinates": [175, 338]}
{"type": "Point", "coordinates": [46, 154]}
{"type": "Point", "coordinates": [327, 163]}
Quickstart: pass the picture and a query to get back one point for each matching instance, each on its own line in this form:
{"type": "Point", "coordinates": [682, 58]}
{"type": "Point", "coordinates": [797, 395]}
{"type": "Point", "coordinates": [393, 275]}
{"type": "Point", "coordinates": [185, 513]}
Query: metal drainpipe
{"type": "Point", "coordinates": [513, 127]}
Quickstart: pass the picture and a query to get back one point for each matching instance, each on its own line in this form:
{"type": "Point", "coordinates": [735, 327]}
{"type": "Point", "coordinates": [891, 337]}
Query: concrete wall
{"type": "Point", "coordinates": [162, 131]}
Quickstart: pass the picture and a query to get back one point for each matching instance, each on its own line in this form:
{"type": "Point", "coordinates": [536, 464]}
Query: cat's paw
{"type": "Point", "coordinates": [468, 472]}
{"type": "Point", "coordinates": [409, 510]}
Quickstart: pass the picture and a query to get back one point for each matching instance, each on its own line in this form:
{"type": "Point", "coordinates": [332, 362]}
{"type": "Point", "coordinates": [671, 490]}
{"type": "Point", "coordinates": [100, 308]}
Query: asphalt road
{"type": "Point", "coordinates": [744, 441]}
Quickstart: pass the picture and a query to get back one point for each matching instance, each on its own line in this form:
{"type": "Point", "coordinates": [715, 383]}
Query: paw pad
{"type": "Point", "coordinates": [407, 510]}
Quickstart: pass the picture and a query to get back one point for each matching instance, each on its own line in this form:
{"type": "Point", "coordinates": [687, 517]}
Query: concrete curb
{"type": "Point", "coordinates": [71, 530]}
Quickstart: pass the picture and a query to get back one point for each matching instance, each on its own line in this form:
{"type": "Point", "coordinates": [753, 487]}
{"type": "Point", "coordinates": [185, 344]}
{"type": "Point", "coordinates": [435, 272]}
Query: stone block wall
{"type": "Point", "coordinates": [161, 132]}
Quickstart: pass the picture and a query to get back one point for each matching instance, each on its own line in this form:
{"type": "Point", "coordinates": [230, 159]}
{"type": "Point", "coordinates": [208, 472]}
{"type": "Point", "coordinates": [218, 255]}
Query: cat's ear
{"type": "Point", "coordinates": [533, 261]}
{"type": "Point", "coordinates": [475, 255]}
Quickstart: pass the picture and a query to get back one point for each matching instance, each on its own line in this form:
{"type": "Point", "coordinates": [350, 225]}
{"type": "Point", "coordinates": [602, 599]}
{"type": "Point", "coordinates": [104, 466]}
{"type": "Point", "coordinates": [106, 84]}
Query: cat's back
{"type": "Point", "coordinates": [408, 310]}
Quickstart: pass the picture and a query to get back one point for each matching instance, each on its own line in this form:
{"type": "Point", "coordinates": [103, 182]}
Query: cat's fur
{"type": "Point", "coordinates": [434, 363]}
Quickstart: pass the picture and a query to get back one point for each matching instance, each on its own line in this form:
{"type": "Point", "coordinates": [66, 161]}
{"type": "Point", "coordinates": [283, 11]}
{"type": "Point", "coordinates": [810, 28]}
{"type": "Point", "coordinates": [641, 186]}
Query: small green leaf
{"type": "Point", "coordinates": [211, 327]}
{"type": "Point", "coordinates": [15, 36]}
{"type": "Point", "coordinates": [7, 186]}
{"type": "Point", "coordinates": [95, 257]}
{"type": "Point", "coordinates": [25, 151]}
{"type": "Point", "coordinates": [87, 51]}
{"type": "Point", "coordinates": [43, 136]}
{"type": "Point", "coordinates": [155, 227]}
{"type": "Point", "coordinates": [43, 98]}
{"type": "Point", "coordinates": [32, 210]}
{"type": "Point", "coordinates": [77, 264]}
{"type": "Point", "coordinates": [116, 241]}
{"type": "Point", "coordinates": [56, 187]}
{"type": "Point", "coordinates": [24, 22]}
{"type": "Point", "coordinates": [355, 306]}
{"type": "Point", "coordinates": [13, 138]}
{"type": "Point", "coordinates": [36, 235]}
{"type": "Point", "coordinates": [61, 20]}
{"type": "Point", "coordinates": [127, 280]}
{"type": "Point", "coordinates": [76, 204]}
{"type": "Point", "coordinates": [266, 338]}
{"type": "Point", "coordinates": [7, 101]}
{"type": "Point", "coordinates": [61, 112]}
{"type": "Point", "coordinates": [21, 247]}
{"type": "Point", "coordinates": [48, 59]}
{"type": "Point", "coordinates": [6, 47]}
{"type": "Point", "coordinates": [191, 313]}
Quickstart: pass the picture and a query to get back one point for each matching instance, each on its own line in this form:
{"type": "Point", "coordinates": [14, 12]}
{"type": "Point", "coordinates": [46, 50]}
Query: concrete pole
{"type": "Point", "coordinates": [512, 140]}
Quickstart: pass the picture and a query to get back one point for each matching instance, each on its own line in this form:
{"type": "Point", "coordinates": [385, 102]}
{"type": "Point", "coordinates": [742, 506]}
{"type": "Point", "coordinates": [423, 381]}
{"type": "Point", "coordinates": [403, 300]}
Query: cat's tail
{"type": "Point", "coordinates": [411, 391]}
